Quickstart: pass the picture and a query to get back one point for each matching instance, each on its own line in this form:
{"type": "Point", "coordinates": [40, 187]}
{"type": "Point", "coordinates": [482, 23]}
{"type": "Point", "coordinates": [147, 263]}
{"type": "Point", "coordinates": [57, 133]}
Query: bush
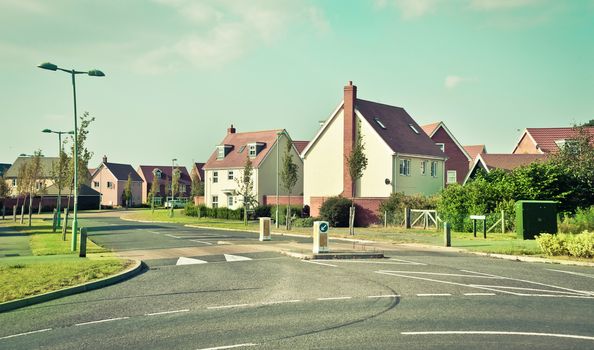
{"type": "Point", "coordinates": [262, 211]}
{"type": "Point", "coordinates": [217, 213]}
{"type": "Point", "coordinates": [577, 245]}
{"type": "Point", "coordinates": [304, 222]}
{"type": "Point", "coordinates": [335, 210]}
{"type": "Point", "coordinates": [582, 220]}
{"type": "Point", "coordinates": [394, 206]}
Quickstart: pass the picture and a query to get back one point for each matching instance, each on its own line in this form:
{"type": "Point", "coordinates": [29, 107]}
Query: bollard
{"type": "Point", "coordinates": [65, 224]}
{"type": "Point", "coordinates": [264, 229]}
{"type": "Point", "coordinates": [320, 237]}
{"type": "Point", "coordinates": [83, 242]}
{"type": "Point", "coordinates": [54, 220]}
{"type": "Point", "coordinates": [485, 229]}
{"type": "Point", "coordinates": [406, 217]}
{"type": "Point", "coordinates": [447, 234]}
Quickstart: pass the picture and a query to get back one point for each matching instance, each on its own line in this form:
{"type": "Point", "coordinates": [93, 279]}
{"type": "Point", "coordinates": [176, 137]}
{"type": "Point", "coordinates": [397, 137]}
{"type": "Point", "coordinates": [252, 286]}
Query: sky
{"type": "Point", "coordinates": [179, 72]}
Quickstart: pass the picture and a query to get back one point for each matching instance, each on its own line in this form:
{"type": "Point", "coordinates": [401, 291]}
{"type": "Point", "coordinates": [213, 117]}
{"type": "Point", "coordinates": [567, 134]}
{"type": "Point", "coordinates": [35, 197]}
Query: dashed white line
{"type": "Point", "coordinates": [319, 263]}
{"type": "Point", "coordinates": [203, 242]}
{"type": "Point", "coordinates": [166, 312]}
{"type": "Point", "coordinates": [434, 295]}
{"type": "Point", "coordinates": [281, 302]}
{"type": "Point", "coordinates": [385, 296]}
{"type": "Point", "coordinates": [101, 321]}
{"type": "Point", "coordinates": [335, 298]}
{"type": "Point", "coordinates": [230, 346]}
{"type": "Point", "coordinates": [228, 306]}
{"type": "Point", "coordinates": [499, 333]}
{"type": "Point", "coordinates": [172, 236]}
{"type": "Point", "coordinates": [573, 273]}
{"type": "Point", "coordinates": [479, 294]}
{"type": "Point", "coordinates": [26, 333]}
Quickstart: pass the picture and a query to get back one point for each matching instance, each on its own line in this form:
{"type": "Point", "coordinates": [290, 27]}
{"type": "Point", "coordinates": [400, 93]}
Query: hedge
{"type": "Point", "coordinates": [577, 245]}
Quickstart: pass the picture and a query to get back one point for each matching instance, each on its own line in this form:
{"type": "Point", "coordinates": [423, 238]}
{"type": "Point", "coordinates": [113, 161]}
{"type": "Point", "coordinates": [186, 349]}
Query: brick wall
{"type": "Point", "coordinates": [366, 212]}
{"type": "Point", "coordinates": [199, 200]}
{"type": "Point", "coordinates": [282, 200]}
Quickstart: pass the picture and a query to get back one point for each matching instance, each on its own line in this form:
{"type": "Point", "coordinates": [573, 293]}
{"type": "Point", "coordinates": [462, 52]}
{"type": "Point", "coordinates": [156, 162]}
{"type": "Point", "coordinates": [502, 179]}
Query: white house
{"type": "Point", "coordinates": [227, 162]}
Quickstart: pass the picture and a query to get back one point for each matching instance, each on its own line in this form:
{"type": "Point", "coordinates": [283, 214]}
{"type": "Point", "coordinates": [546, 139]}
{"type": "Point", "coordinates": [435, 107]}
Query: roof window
{"type": "Point", "coordinates": [379, 122]}
{"type": "Point", "coordinates": [413, 128]}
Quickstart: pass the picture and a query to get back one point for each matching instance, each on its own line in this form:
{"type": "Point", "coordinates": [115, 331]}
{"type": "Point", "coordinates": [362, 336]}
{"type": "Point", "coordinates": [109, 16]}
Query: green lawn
{"type": "Point", "coordinates": [52, 266]}
{"type": "Point", "coordinates": [495, 243]}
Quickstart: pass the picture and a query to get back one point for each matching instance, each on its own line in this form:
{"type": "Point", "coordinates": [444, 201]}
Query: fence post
{"type": "Point", "coordinates": [503, 221]}
{"type": "Point", "coordinates": [485, 228]}
{"type": "Point", "coordinates": [83, 242]}
{"type": "Point", "coordinates": [447, 237]}
{"type": "Point", "coordinates": [406, 217]}
{"type": "Point", "coordinates": [385, 218]}
{"type": "Point", "coordinates": [474, 227]}
{"type": "Point", "coordinates": [54, 220]}
{"type": "Point", "coordinates": [65, 224]}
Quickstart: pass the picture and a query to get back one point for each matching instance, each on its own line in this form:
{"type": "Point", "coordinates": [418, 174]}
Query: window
{"type": "Point", "coordinates": [241, 149]}
{"type": "Point", "coordinates": [215, 201]}
{"type": "Point", "coordinates": [14, 182]}
{"type": "Point", "coordinates": [230, 175]}
{"type": "Point", "coordinates": [441, 146]}
{"type": "Point", "coordinates": [38, 185]}
{"type": "Point", "coordinates": [434, 169]}
{"type": "Point", "coordinates": [215, 177]}
{"type": "Point", "coordinates": [452, 177]}
{"type": "Point", "coordinates": [405, 167]}
{"type": "Point", "coordinates": [413, 128]}
{"type": "Point", "coordinates": [229, 201]}
{"type": "Point", "coordinates": [220, 152]}
{"type": "Point", "coordinates": [182, 189]}
{"type": "Point", "coordinates": [109, 184]}
{"type": "Point", "coordinates": [379, 122]}
{"type": "Point", "coordinates": [252, 150]}
{"type": "Point", "coordinates": [424, 167]}
{"type": "Point", "coordinates": [96, 184]}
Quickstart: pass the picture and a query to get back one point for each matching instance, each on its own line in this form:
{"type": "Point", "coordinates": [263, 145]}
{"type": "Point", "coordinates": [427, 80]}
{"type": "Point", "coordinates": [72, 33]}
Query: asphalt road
{"type": "Point", "coordinates": [241, 293]}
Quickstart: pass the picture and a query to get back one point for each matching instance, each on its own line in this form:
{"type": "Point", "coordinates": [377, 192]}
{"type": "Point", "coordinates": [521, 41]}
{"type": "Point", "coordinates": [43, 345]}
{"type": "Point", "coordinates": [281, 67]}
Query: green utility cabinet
{"type": "Point", "coordinates": [535, 217]}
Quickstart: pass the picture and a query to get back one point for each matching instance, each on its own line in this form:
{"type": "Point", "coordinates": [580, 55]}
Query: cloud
{"type": "Point", "coordinates": [31, 6]}
{"type": "Point", "coordinates": [452, 81]}
{"type": "Point", "coordinates": [409, 9]}
{"type": "Point", "coordinates": [223, 31]}
{"type": "Point", "coordinates": [489, 5]}
{"type": "Point", "coordinates": [412, 9]}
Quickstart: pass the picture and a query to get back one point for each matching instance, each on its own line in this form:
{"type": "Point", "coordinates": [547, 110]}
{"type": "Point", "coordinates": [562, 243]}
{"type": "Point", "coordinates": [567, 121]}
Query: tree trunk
{"type": "Point", "coordinates": [40, 202]}
{"type": "Point", "coordinates": [14, 209]}
{"type": "Point", "coordinates": [23, 210]}
{"type": "Point", "coordinates": [30, 208]}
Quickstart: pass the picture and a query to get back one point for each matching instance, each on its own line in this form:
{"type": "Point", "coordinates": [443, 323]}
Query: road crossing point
{"type": "Point", "coordinates": [189, 261]}
{"type": "Point", "coordinates": [230, 258]}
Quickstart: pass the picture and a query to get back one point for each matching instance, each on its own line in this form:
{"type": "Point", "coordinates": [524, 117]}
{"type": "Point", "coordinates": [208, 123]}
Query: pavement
{"type": "Point", "coordinates": [204, 291]}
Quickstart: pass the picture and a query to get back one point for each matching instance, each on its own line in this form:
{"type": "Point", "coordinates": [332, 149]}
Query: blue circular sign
{"type": "Point", "coordinates": [324, 227]}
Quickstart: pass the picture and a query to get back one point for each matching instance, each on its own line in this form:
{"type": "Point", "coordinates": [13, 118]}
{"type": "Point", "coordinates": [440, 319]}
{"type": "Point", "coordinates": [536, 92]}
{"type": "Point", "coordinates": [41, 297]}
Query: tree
{"type": "Point", "coordinates": [4, 192]}
{"type": "Point", "coordinates": [154, 189]}
{"type": "Point", "coordinates": [289, 177]}
{"type": "Point", "coordinates": [357, 162]}
{"type": "Point", "coordinates": [197, 185]}
{"type": "Point", "coordinates": [59, 175]}
{"type": "Point", "coordinates": [22, 186]}
{"type": "Point", "coordinates": [245, 187]}
{"type": "Point", "coordinates": [175, 182]}
{"type": "Point", "coordinates": [589, 123]}
{"type": "Point", "coordinates": [128, 191]}
{"type": "Point", "coordinates": [84, 155]}
{"type": "Point", "coordinates": [33, 174]}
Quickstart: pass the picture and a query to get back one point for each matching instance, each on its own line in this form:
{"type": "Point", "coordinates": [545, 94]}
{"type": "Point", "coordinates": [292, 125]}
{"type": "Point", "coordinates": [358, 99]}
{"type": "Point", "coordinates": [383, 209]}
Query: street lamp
{"type": "Point", "coordinates": [60, 150]}
{"type": "Point", "coordinates": [278, 134]}
{"type": "Point", "coordinates": [73, 73]}
{"type": "Point", "coordinates": [172, 194]}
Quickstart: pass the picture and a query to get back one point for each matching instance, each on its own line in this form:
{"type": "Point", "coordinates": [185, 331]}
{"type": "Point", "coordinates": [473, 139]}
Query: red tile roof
{"type": "Point", "coordinates": [509, 161]}
{"type": "Point", "coordinates": [147, 173]}
{"type": "Point", "coordinates": [430, 128]}
{"type": "Point", "coordinates": [475, 150]}
{"type": "Point", "coordinates": [545, 137]}
{"type": "Point", "coordinates": [300, 146]}
{"type": "Point", "coordinates": [237, 156]}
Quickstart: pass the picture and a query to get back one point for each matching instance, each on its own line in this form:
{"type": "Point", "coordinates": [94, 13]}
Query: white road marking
{"type": "Point", "coordinates": [281, 302]}
{"type": "Point", "coordinates": [573, 273]}
{"type": "Point", "coordinates": [167, 312]}
{"type": "Point", "coordinates": [223, 243]}
{"type": "Point", "coordinates": [527, 289]}
{"type": "Point", "coordinates": [228, 306]}
{"type": "Point", "coordinates": [434, 295]}
{"type": "Point", "coordinates": [101, 321]}
{"type": "Point", "coordinates": [499, 333]}
{"type": "Point", "coordinates": [26, 333]}
{"type": "Point", "coordinates": [479, 294]}
{"type": "Point", "coordinates": [385, 296]}
{"type": "Point", "coordinates": [232, 258]}
{"type": "Point", "coordinates": [155, 232]}
{"type": "Point", "coordinates": [189, 261]}
{"type": "Point", "coordinates": [335, 298]}
{"type": "Point", "coordinates": [172, 236]}
{"type": "Point", "coordinates": [377, 262]}
{"type": "Point", "coordinates": [230, 346]}
{"type": "Point", "coordinates": [318, 263]}
{"type": "Point", "coordinates": [408, 262]}
{"type": "Point", "coordinates": [203, 242]}
{"type": "Point", "coordinates": [445, 274]}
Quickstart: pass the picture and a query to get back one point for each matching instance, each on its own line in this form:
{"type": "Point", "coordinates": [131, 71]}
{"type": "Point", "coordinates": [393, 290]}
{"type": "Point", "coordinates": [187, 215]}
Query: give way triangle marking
{"type": "Point", "coordinates": [230, 257]}
{"type": "Point", "coordinates": [189, 261]}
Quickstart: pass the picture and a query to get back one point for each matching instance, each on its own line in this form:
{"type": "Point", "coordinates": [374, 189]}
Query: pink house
{"type": "Point", "coordinates": [163, 175]}
{"type": "Point", "coordinates": [110, 180]}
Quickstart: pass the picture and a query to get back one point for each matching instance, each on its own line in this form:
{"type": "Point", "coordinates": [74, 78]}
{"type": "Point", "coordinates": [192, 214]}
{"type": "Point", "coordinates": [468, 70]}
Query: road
{"type": "Point", "coordinates": [209, 289]}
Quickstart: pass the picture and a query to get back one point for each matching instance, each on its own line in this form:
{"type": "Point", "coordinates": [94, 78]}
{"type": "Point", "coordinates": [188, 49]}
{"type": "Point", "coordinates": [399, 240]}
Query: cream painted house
{"type": "Point", "coordinates": [11, 175]}
{"type": "Point", "coordinates": [225, 167]}
{"type": "Point", "coordinates": [401, 157]}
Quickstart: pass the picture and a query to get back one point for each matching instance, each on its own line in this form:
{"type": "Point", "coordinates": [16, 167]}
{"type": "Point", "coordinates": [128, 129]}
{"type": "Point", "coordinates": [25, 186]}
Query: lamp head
{"type": "Point", "coordinates": [96, 73]}
{"type": "Point", "coordinates": [48, 66]}
{"type": "Point", "coordinates": [71, 132]}
{"type": "Point", "coordinates": [47, 131]}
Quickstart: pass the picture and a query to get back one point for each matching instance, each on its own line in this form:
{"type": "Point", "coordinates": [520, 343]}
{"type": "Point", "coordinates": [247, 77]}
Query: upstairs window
{"type": "Point", "coordinates": [441, 146]}
{"type": "Point", "coordinates": [14, 182]}
{"type": "Point", "coordinates": [452, 177]}
{"type": "Point", "coordinates": [405, 167]}
{"type": "Point", "coordinates": [220, 152]}
{"type": "Point", "coordinates": [96, 184]}
{"type": "Point", "coordinates": [253, 150]}
{"type": "Point", "coordinates": [379, 122]}
{"type": "Point", "coordinates": [109, 184]}
{"type": "Point", "coordinates": [413, 128]}
{"type": "Point", "coordinates": [215, 177]}
{"type": "Point", "coordinates": [230, 175]}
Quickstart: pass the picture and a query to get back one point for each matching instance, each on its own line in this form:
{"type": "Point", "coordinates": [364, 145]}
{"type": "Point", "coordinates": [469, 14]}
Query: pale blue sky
{"type": "Point", "coordinates": [179, 71]}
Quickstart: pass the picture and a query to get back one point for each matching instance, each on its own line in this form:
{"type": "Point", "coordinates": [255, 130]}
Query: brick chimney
{"type": "Point", "coordinates": [104, 159]}
{"type": "Point", "coordinates": [231, 130]}
{"type": "Point", "coordinates": [350, 96]}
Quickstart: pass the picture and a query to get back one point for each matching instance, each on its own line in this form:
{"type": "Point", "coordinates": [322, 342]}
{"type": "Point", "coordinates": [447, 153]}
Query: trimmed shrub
{"type": "Point", "coordinates": [577, 245]}
{"type": "Point", "coordinates": [304, 222]}
{"type": "Point", "coordinates": [335, 210]}
{"type": "Point", "coordinates": [582, 245]}
{"type": "Point", "coordinates": [262, 211]}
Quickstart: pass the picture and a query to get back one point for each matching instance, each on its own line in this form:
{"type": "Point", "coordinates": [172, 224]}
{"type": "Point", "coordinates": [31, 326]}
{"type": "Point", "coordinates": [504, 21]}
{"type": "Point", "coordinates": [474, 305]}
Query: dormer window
{"type": "Point", "coordinates": [255, 148]}
{"type": "Point", "coordinates": [223, 150]}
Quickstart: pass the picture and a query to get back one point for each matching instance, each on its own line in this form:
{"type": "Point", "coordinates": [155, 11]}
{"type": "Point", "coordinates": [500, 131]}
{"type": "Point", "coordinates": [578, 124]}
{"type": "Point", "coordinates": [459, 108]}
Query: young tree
{"type": "Point", "coordinates": [357, 162]}
{"type": "Point", "coordinates": [128, 191]}
{"type": "Point", "coordinates": [245, 187]}
{"type": "Point", "coordinates": [84, 155]}
{"type": "Point", "coordinates": [154, 190]}
{"type": "Point", "coordinates": [289, 177]}
{"type": "Point", "coordinates": [22, 187]}
{"type": "Point", "coordinates": [197, 185]}
{"type": "Point", "coordinates": [175, 182]}
{"type": "Point", "coordinates": [59, 175]}
{"type": "Point", "coordinates": [33, 175]}
{"type": "Point", "coordinates": [4, 192]}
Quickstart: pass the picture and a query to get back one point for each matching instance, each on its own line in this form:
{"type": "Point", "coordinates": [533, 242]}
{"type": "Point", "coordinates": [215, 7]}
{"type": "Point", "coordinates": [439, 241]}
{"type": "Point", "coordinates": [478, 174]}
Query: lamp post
{"type": "Point", "coordinates": [278, 134]}
{"type": "Point", "coordinates": [172, 194]}
{"type": "Point", "coordinates": [60, 150]}
{"type": "Point", "coordinates": [73, 73]}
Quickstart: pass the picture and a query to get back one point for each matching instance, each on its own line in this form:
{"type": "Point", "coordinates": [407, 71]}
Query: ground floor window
{"type": "Point", "coordinates": [434, 169]}
{"type": "Point", "coordinates": [215, 201]}
{"type": "Point", "coordinates": [229, 201]}
{"type": "Point", "coordinates": [405, 167]}
{"type": "Point", "coordinates": [452, 177]}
